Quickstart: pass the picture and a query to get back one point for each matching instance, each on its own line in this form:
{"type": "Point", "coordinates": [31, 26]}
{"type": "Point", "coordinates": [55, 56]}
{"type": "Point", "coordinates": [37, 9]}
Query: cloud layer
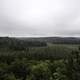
{"type": "Point", "coordinates": [39, 18]}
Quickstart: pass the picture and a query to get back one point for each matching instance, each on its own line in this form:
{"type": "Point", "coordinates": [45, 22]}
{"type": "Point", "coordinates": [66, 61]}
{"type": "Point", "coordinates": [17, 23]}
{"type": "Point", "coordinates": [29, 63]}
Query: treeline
{"type": "Point", "coordinates": [17, 44]}
{"type": "Point", "coordinates": [56, 40]}
{"type": "Point", "coordinates": [66, 41]}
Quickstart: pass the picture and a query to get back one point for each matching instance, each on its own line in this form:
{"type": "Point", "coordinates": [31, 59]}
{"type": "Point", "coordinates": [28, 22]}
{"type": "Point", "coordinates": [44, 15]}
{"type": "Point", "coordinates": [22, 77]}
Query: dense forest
{"type": "Point", "coordinates": [56, 40]}
{"type": "Point", "coordinates": [14, 43]}
{"type": "Point", "coordinates": [22, 59]}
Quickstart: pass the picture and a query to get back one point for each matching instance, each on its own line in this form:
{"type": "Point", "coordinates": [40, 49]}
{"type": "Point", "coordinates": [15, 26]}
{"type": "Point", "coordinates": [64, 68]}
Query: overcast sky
{"type": "Point", "coordinates": [39, 17]}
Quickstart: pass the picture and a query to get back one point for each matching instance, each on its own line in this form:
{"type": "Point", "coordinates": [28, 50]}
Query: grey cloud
{"type": "Point", "coordinates": [55, 17]}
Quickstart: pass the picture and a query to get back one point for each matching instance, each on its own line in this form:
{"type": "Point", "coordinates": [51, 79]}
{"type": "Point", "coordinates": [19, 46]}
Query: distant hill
{"type": "Point", "coordinates": [56, 40]}
{"type": "Point", "coordinates": [20, 44]}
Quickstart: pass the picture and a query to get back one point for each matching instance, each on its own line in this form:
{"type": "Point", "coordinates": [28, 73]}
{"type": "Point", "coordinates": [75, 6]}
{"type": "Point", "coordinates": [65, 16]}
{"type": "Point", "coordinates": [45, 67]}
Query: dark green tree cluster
{"type": "Point", "coordinates": [18, 44]}
{"type": "Point", "coordinates": [23, 69]}
{"type": "Point", "coordinates": [73, 65]}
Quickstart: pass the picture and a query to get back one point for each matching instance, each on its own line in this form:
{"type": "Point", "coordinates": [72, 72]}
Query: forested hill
{"type": "Point", "coordinates": [16, 43]}
{"type": "Point", "coordinates": [56, 40]}
{"type": "Point", "coordinates": [38, 41]}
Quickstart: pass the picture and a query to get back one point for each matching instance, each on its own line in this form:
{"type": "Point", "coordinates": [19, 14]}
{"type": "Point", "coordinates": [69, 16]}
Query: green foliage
{"type": "Point", "coordinates": [20, 62]}
{"type": "Point", "coordinates": [10, 77]}
{"type": "Point", "coordinates": [24, 69]}
{"type": "Point", "coordinates": [73, 66]}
